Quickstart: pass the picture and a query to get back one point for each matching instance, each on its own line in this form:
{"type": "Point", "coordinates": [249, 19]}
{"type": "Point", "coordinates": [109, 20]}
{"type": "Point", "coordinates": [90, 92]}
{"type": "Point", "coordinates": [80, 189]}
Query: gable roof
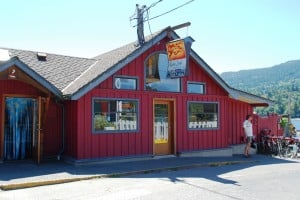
{"type": "Point", "coordinates": [15, 61]}
{"type": "Point", "coordinates": [73, 77]}
{"type": "Point", "coordinates": [58, 70]}
{"type": "Point", "coordinates": [109, 63]}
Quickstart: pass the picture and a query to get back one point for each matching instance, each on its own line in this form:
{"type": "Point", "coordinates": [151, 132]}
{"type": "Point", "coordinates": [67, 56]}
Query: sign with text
{"type": "Point", "coordinates": [178, 51]}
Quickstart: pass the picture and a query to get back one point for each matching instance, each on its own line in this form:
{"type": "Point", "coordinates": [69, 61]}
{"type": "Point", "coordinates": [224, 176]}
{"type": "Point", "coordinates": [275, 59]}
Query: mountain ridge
{"type": "Point", "coordinates": [280, 83]}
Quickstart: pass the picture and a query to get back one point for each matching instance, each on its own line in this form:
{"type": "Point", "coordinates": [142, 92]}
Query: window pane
{"type": "Point", "coordinates": [197, 88]}
{"type": "Point", "coordinates": [203, 115]}
{"type": "Point", "coordinates": [157, 78]}
{"type": "Point", "coordinates": [114, 115]}
{"type": "Point", "coordinates": [125, 83]}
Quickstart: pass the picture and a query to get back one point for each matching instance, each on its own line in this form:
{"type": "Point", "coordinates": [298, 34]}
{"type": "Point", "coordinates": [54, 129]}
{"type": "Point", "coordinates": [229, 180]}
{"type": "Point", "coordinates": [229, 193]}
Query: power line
{"type": "Point", "coordinates": [171, 10]}
{"type": "Point", "coordinates": [139, 16]}
{"type": "Point", "coordinates": [154, 4]}
{"type": "Point", "coordinates": [145, 9]}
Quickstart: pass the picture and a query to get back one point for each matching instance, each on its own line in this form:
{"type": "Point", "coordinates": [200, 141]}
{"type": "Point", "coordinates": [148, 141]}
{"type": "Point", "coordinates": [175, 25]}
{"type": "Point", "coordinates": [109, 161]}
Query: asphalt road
{"type": "Point", "coordinates": [270, 180]}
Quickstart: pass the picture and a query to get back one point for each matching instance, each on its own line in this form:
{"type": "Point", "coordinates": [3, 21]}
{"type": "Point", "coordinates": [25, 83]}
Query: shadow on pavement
{"type": "Point", "coordinates": [24, 174]}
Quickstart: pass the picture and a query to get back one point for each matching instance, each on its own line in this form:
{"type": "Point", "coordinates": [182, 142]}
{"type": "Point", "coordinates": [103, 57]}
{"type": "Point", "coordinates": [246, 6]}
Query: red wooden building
{"type": "Point", "coordinates": [118, 104]}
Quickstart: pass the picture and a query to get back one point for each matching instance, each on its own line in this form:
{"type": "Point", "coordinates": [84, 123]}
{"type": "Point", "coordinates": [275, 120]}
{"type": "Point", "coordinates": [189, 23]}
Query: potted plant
{"type": "Point", "coordinates": [101, 123]}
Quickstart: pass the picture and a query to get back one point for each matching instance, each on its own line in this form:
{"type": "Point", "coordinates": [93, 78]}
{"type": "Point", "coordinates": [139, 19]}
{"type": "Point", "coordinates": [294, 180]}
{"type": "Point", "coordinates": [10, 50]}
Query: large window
{"type": "Point", "coordinates": [203, 115]}
{"type": "Point", "coordinates": [115, 115]}
{"type": "Point", "coordinates": [157, 78]}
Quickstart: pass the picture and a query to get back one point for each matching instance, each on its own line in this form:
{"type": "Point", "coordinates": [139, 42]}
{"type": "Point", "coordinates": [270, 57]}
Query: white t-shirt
{"type": "Point", "coordinates": [248, 128]}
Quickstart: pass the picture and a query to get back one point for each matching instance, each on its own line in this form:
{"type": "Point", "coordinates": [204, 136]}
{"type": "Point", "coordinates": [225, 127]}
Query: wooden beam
{"type": "Point", "coordinates": [179, 26]}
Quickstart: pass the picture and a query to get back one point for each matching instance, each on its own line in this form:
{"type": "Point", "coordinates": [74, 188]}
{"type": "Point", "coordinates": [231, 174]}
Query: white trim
{"type": "Point", "coordinates": [70, 84]}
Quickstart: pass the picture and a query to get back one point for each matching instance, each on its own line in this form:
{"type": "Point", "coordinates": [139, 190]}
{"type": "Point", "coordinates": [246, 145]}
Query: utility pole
{"type": "Point", "coordinates": [140, 23]}
{"type": "Point", "coordinates": [139, 16]}
{"type": "Point", "coordinates": [289, 106]}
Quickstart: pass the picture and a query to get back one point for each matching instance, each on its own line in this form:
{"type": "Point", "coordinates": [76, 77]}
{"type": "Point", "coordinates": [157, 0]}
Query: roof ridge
{"type": "Point", "coordinates": [135, 43]}
{"type": "Point", "coordinates": [78, 77]}
{"type": "Point", "coordinates": [49, 53]}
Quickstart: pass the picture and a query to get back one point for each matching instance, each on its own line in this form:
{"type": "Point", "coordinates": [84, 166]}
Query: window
{"type": "Point", "coordinates": [203, 115]}
{"type": "Point", "coordinates": [114, 115]}
{"type": "Point", "coordinates": [157, 78]}
{"type": "Point", "coordinates": [125, 83]}
{"type": "Point", "coordinates": [196, 88]}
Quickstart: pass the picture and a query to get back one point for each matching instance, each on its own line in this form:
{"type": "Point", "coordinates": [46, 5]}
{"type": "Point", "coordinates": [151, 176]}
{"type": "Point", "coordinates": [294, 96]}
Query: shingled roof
{"type": "Point", "coordinates": [104, 63]}
{"type": "Point", "coordinates": [74, 76]}
{"type": "Point", "coordinates": [58, 70]}
{"type": "Point", "coordinates": [109, 63]}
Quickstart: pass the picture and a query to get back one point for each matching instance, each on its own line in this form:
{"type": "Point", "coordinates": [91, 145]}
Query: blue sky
{"type": "Point", "coordinates": [230, 35]}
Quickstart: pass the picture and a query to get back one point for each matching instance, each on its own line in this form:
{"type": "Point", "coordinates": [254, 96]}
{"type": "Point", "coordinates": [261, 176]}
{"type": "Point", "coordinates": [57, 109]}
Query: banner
{"type": "Point", "coordinates": [178, 56]}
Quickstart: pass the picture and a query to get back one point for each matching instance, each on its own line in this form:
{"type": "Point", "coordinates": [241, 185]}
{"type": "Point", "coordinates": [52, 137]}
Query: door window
{"type": "Point", "coordinates": [161, 123]}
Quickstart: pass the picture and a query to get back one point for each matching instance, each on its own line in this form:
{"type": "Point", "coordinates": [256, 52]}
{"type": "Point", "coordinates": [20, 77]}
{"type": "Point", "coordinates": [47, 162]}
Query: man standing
{"type": "Point", "coordinates": [248, 133]}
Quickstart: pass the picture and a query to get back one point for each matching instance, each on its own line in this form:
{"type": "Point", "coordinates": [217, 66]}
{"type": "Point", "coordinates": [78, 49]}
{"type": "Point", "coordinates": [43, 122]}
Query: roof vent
{"type": "Point", "coordinates": [4, 55]}
{"type": "Point", "coordinates": [41, 56]}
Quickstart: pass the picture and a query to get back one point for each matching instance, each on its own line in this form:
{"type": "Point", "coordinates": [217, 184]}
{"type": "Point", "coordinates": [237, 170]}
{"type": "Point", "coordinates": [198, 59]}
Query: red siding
{"type": "Point", "coordinates": [236, 114]}
{"type": "Point", "coordinates": [53, 130]}
{"type": "Point", "coordinates": [270, 122]}
{"type": "Point", "coordinates": [91, 145]}
{"type": "Point", "coordinates": [70, 128]}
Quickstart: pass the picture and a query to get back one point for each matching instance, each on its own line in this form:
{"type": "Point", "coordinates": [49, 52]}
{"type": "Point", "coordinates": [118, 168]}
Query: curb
{"type": "Point", "coordinates": [15, 186]}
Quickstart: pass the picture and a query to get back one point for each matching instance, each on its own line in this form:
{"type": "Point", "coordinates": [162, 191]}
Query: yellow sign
{"type": "Point", "coordinates": [177, 58]}
{"type": "Point", "coordinates": [176, 50]}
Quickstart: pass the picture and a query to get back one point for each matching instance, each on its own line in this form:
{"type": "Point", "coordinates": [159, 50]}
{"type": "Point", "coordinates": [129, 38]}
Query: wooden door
{"type": "Point", "coordinates": [163, 127]}
{"type": "Point", "coordinates": [37, 132]}
{"type": "Point", "coordinates": [41, 113]}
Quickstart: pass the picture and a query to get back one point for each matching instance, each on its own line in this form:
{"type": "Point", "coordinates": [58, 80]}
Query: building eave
{"type": "Point", "coordinates": [254, 100]}
{"type": "Point", "coordinates": [14, 61]}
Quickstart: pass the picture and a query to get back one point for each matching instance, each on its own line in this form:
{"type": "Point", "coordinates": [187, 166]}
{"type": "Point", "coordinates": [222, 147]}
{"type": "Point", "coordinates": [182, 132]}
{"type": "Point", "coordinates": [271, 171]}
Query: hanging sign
{"type": "Point", "coordinates": [178, 54]}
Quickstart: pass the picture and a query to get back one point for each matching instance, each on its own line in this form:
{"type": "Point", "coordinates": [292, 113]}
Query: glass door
{"type": "Point", "coordinates": [163, 128]}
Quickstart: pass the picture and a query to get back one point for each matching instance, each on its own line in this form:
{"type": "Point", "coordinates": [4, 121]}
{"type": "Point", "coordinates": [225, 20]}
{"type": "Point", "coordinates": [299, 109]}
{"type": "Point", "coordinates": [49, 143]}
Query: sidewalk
{"type": "Point", "coordinates": [16, 175]}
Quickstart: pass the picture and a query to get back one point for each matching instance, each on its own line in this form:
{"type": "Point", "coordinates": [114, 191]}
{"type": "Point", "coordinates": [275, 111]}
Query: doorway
{"type": "Point", "coordinates": [163, 127]}
{"type": "Point", "coordinates": [20, 122]}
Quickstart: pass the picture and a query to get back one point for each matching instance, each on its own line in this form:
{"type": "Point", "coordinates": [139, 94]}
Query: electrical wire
{"type": "Point", "coordinates": [143, 9]}
{"type": "Point", "coordinates": [154, 4]}
{"type": "Point", "coordinates": [171, 10]}
{"type": "Point", "coordinates": [149, 24]}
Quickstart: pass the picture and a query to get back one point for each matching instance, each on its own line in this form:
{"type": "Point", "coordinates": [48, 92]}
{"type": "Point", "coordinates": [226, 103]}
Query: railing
{"type": "Point", "coordinates": [208, 124]}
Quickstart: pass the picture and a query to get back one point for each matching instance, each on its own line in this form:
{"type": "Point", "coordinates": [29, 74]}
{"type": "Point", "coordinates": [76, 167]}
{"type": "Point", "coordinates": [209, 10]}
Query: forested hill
{"type": "Point", "coordinates": [280, 83]}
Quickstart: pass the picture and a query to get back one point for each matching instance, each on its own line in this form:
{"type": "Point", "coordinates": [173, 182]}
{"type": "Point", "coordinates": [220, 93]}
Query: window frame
{"type": "Point", "coordinates": [205, 128]}
{"type": "Point", "coordinates": [126, 77]}
{"type": "Point", "coordinates": [116, 130]}
{"type": "Point", "coordinates": [196, 83]}
{"type": "Point", "coordinates": [180, 85]}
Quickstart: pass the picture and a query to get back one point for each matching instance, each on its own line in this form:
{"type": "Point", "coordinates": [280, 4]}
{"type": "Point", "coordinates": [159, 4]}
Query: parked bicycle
{"type": "Point", "coordinates": [287, 147]}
